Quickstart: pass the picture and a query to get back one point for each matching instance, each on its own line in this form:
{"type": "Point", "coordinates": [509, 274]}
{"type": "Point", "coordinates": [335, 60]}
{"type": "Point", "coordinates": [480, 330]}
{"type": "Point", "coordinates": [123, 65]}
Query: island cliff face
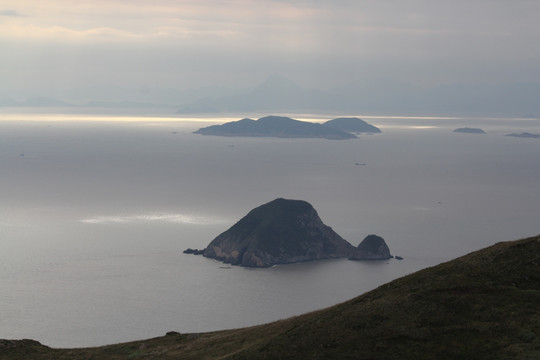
{"type": "Point", "coordinates": [279, 232]}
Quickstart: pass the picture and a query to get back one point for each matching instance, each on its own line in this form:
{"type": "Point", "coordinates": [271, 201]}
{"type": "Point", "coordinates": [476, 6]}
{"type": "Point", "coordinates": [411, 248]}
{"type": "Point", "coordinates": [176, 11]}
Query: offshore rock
{"type": "Point", "coordinates": [373, 247]}
{"type": "Point", "coordinates": [279, 232]}
{"type": "Point", "coordinates": [194, 251]}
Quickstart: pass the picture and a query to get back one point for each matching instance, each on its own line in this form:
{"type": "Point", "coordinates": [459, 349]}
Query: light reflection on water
{"type": "Point", "coordinates": [155, 217]}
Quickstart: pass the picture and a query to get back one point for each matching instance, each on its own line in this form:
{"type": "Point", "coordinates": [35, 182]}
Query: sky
{"type": "Point", "coordinates": [87, 49]}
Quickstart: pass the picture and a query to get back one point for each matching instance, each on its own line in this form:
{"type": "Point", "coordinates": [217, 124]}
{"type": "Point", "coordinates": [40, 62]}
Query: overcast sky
{"type": "Point", "coordinates": [62, 47]}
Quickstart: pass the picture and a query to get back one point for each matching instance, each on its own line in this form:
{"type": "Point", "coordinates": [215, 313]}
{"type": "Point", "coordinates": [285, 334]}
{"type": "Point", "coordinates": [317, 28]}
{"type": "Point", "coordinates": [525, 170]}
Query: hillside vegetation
{"type": "Point", "coordinates": [484, 305]}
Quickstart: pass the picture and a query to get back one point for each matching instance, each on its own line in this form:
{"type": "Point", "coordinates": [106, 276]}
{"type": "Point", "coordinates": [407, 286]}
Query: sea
{"type": "Point", "coordinates": [95, 211]}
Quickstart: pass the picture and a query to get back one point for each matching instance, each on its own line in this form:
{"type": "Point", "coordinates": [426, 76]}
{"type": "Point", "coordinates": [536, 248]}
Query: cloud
{"type": "Point", "coordinates": [10, 13]}
{"type": "Point", "coordinates": [155, 218]}
{"type": "Point", "coordinates": [64, 34]}
{"type": "Point", "coordinates": [150, 18]}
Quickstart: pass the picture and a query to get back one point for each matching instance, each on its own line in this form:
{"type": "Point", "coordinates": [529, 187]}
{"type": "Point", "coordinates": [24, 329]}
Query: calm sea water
{"type": "Point", "coordinates": [94, 216]}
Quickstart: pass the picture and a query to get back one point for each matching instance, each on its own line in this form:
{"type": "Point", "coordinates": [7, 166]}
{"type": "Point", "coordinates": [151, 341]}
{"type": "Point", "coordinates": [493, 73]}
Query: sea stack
{"type": "Point", "coordinates": [280, 232]}
{"type": "Point", "coordinates": [373, 247]}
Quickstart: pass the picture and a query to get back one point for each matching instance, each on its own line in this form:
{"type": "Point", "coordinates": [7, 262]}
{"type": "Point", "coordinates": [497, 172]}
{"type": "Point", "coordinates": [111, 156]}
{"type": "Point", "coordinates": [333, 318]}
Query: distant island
{"type": "Point", "coordinates": [286, 231]}
{"type": "Point", "coordinates": [352, 124]}
{"type": "Point", "coordinates": [525, 135]}
{"type": "Point", "coordinates": [276, 126]}
{"type": "Point", "coordinates": [467, 130]}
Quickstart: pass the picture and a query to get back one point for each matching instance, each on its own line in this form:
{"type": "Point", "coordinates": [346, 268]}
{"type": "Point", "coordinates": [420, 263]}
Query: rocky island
{"type": "Point", "coordinates": [287, 231]}
{"type": "Point", "coordinates": [276, 126]}
{"type": "Point", "coordinates": [352, 124]}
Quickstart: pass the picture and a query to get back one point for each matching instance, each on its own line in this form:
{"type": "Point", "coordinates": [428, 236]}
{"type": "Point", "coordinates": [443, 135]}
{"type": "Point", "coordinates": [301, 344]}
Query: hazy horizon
{"type": "Point", "coordinates": [132, 50]}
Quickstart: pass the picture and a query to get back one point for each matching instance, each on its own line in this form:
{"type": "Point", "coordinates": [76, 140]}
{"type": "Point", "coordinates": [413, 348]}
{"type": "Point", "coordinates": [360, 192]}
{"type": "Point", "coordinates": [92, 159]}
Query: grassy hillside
{"type": "Point", "coordinates": [484, 305]}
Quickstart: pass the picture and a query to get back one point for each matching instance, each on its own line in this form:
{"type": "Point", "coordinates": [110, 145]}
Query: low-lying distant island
{"type": "Point", "coordinates": [286, 231]}
{"type": "Point", "coordinates": [525, 135]}
{"type": "Point", "coordinates": [468, 130]}
{"type": "Point", "coordinates": [285, 127]}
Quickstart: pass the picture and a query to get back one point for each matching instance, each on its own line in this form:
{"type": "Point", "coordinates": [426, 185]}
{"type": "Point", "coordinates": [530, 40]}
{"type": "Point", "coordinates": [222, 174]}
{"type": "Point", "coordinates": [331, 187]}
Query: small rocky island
{"type": "Point", "coordinates": [276, 126]}
{"type": "Point", "coordinates": [373, 247]}
{"type": "Point", "coordinates": [286, 231]}
{"type": "Point", "coordinates": [467, 130]}
{"type": "Point", "coordinates": [352, 124]}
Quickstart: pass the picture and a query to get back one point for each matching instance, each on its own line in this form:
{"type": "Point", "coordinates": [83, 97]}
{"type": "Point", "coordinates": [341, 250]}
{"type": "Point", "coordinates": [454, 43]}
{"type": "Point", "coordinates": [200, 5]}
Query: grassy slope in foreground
{"type": "Point", "coordinates": [484, 305]}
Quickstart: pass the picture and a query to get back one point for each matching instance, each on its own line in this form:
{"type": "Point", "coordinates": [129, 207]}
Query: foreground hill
{"type": "Point", "coordinates": [485, 305]}
{"type": "Point", "coordinates": [275, 126]}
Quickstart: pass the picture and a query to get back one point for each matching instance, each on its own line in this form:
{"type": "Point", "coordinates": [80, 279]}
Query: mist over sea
{"type": "Point", "coordinates": [95, 213]}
